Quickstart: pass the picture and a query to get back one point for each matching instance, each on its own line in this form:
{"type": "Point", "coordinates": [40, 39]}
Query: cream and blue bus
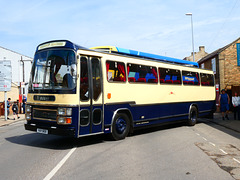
{"type": "Point", "coordinates": [76, 91]}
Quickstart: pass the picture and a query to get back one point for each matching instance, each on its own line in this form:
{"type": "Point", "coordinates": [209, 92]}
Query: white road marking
{"type": "Point", "coordinates": [212, 144]}
{"type": "Point", "coordinates": [236, 160]}
{"type": "Point", "coordinates": [223, 151]}
{"type": "Point", "coordinates": [197, 134]}
{"type": "Point", "coordinates": [59, 165]}
{"type": "Point", "coordinates": [204, 138]}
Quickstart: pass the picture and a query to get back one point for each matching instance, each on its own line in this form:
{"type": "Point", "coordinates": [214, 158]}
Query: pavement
{"type": "Point", "coordinates": [230, 124]}
{"type": "Point", "coordinates": [10, 120]}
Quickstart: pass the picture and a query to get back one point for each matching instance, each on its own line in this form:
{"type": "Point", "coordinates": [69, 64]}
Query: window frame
{"type": "Point", "coordinates": [177, 73]}
{"type": "Point", "coordinates": [107, 71]}
{"type": "Point", "coordinates": [141, 79]}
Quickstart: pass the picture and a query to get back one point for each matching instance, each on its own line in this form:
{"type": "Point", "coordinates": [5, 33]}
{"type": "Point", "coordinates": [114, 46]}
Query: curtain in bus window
{"type": "Point", "coordinates": [153, 75]}
{"type": "Point", "coordinates": [121, 69]}
{"type": "Point", "coordinates": [115, 71]}
{"type": "Point", "coordinates": [107, 66]}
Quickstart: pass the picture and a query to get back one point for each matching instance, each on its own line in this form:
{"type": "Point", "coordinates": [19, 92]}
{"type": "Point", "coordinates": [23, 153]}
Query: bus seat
{"type": "Point", "coordinates": [131, 79]}
{"type": "Point", "coordinates": [176, 82]}
{"type": "Point", "coordinates": [190, 82]}
{"type": "Point", "coordinates": [185, 82]}
{"type": "Point", "coordinates": [152, 80]}
{"type": "Point", "coordinates": [169, 81]}
{"type": "Point", "coordinates": [141, 80]}
{"type": "Point", "coordinates": [119, 79]}
{"type": "Point", "coordinates": [162, 81]}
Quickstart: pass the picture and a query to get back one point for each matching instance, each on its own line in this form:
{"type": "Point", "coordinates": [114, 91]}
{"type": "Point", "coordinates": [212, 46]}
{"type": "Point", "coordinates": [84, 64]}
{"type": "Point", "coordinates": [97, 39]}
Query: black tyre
{"type": "Point", "coordinates": [120, 126]}
{"type": "Point", "coordinates": [193, 115]}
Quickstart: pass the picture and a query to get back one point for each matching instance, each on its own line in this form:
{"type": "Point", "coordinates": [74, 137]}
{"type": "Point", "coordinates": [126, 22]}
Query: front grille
{"type": "Point", "coordinates": [45, 114]}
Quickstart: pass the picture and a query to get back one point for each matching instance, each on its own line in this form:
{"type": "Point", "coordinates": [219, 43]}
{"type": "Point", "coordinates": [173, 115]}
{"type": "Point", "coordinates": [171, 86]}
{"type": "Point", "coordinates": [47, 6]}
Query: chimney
{"type": "Point", "coordinates": [201, 48]}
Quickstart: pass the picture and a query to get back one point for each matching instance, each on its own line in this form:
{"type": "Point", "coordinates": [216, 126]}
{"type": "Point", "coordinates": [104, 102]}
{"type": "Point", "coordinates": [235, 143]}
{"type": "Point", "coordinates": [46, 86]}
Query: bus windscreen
{"type": "Point", "coordinates": [53, 70]}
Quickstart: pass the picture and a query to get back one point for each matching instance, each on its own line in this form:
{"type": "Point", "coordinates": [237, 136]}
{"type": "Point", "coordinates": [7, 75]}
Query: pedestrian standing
{"type": "Point", "coordinates": [24, 103]}
{"type": "Point", "coordinates": [224, 104]}
{"type": "Point", "coordinates": [8, 107]}
{"type": "Point", "coordinates": [236, 103]}
{"type": "Point", "coordinates": [15, 110]}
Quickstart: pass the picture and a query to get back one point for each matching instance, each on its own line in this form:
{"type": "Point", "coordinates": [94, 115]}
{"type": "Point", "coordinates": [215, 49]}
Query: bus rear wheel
{"type": "Point", "coordinates": [120, 126]}
{"type": "Point", "coordinates": [193, 115]}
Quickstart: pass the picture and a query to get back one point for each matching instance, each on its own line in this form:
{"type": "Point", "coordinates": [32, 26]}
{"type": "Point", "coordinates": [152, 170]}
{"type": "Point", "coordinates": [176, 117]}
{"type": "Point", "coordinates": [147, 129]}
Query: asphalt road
{"type": "Point", "coordinates": [205, 151]}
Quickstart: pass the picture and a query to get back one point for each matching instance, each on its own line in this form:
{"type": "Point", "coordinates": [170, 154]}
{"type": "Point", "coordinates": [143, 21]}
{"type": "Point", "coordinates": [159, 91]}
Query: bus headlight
{"type": "Point", "coordinates": [64, 111]}
{"type": "Point", "coordinates": [28, 108]}
{"type": "Point", "coordinates": [28, 116]}
{"type": "Point", "coordinates": [64, 120]}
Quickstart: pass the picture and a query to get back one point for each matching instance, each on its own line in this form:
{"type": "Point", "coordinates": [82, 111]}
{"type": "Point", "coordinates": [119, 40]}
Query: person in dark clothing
{"type": "Point", "coordinates": [8, 107]}
{"type": "Point", "coordinates": [24, 103]}
{"type": "Point", "coordinates": [15, 110]}
{"type": "Point", "coordinates": [224, 103]}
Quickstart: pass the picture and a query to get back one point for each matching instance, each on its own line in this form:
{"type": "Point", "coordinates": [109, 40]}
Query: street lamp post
{"type": "Point", "coordinates": [190, 14]}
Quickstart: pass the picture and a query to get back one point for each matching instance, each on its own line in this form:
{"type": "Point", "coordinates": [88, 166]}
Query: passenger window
{"type": "Point", "coordinates": [169, 76]}
{"type": "Point", "coordinates": [115, 71]}
{"type": "Point", "coordinates": [84, 117]}
{"type": "Point", "coordinates": [207, 79]}
{"type": "Point", "coordinates": [84, 85]}
{"type": "Point", "coordinates": [142, 74]}
{"type": "Point", "coordinates": [96, 77]}
{"type": "Point", "coordinates": [190, 78]}
{"type": "Point", "coordinates": [97, 116]}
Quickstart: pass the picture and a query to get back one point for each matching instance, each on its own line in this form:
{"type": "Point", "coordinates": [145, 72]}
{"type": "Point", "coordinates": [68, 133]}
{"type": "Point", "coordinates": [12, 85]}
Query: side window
{"type": "Point", "coordinates": [96, 77]}
{"type": "Point", "coordinates": [190, 78]}
{"type": "Point", "coordinates": [115, 71]}
{"type": "Point", "coordinates": [84, 85]}
{"type": "Point", "coordinates": [207, 79]}
{"type": "Point", "coordinates": [141, 73]}
{"type": "Point", "coordinates": [169, 76]}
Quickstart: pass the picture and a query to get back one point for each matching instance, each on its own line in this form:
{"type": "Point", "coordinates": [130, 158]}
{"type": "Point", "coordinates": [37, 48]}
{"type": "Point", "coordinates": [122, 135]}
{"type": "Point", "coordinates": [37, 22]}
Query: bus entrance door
{"type": "Point", "coordinates": [91, 103]}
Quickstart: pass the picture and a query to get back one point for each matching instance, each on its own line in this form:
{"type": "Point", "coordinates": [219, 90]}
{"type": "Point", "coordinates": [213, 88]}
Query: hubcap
{"type": "Point", "coordinates": [193, 116]}
{"type": "Point", "coordinates": [121, 125]}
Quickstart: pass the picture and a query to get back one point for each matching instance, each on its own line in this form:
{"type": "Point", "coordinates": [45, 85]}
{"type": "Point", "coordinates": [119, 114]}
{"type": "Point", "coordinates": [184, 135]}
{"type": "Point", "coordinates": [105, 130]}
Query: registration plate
{"type": "Point", "coordinates": [42, 131]}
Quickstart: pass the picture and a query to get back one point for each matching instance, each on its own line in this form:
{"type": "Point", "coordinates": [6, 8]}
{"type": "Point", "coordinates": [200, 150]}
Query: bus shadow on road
{"type": "Point", "coordinates": [63, 143]}
{"type": "Point", "coordinates": [219, 127]}
{"type": "Point", "coordinates": [151, 129]}
{"type": "Point", "coordinates": [54, 142]}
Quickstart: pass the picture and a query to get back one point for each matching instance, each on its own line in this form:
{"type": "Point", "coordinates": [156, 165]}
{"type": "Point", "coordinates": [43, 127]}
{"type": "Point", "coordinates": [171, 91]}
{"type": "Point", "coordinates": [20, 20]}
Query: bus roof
{"type": "Point", "coordinates": [115, 49]}
{"type": "Point", "coordinates": [59, 44]}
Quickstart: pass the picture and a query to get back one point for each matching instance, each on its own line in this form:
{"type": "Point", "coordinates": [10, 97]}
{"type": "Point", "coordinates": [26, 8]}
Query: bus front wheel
{"type": "Point", "coordinates": [193, 115]}
{"type": "Point", "coordinates": [120, 126]}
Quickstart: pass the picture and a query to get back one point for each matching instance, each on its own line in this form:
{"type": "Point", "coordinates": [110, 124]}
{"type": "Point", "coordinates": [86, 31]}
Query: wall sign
{"type": "Point", "coordinates": [5, 75]}
{"type": "Point", "coordinates": [238, 54]}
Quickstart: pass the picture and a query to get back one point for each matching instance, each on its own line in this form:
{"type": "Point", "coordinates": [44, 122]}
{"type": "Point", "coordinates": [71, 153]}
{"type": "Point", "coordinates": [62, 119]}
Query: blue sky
{"type": "Point", "coordinates": [154, 26]}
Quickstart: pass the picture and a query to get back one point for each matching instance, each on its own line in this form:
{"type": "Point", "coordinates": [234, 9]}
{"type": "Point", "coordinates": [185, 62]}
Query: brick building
{"type": "Point", "coordinates": [225, 62]}
{"type": "Point", "coordinates": [197, 55]}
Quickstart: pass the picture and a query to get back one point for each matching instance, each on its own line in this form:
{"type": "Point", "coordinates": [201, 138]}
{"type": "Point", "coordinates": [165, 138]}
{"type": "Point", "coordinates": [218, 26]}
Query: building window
{"type": "Point", "coordinates": [214, 65]}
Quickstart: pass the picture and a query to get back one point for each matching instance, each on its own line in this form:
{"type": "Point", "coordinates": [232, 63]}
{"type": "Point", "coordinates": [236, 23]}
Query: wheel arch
{"type": "Point", "coordinates": [124, 111]}
{"type": "Point", "coordinates": [190, 107]}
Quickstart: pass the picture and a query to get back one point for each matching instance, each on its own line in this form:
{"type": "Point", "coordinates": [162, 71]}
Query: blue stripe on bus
{"type": "Point", "coordinates": [158, 113]}
{"type": "Point", "coordinates": [155, 56]}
